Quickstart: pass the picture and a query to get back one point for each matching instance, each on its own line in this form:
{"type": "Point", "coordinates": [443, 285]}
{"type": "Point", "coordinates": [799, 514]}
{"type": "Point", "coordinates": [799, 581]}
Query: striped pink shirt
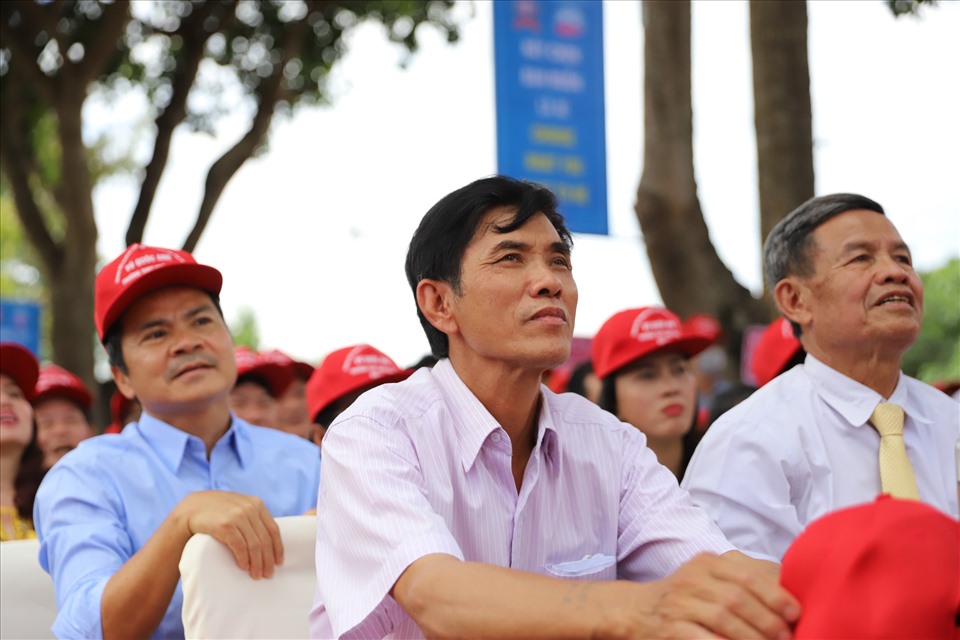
{"type": "Point", "coordinates": [420, 467]}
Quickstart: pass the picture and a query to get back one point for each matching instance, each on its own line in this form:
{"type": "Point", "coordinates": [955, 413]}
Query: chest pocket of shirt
{"type": "Point", "coordinates": [591, 567]}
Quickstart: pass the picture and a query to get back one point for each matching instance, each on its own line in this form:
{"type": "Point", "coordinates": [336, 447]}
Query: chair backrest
{"type": "Point", "coordinates": [28, 605]}
{"type": "Point", "coordinates": [220, 600]}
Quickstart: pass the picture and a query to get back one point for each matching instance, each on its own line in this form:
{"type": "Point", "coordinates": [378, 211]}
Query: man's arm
{"type": "Point", "coordinates": [731, 596]}
{"type": "Point", "coordinates": [137, 595]}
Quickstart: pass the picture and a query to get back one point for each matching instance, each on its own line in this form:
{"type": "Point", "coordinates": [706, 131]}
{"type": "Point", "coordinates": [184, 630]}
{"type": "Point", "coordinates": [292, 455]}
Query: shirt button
{"type": "Point", "coordinates": [495, 437]}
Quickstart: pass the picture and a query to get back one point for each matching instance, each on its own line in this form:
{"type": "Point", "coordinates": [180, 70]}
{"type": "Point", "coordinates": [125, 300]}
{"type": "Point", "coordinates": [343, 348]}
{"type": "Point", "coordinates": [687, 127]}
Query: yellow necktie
{"type": "Point", "coordinates": [896, 472]}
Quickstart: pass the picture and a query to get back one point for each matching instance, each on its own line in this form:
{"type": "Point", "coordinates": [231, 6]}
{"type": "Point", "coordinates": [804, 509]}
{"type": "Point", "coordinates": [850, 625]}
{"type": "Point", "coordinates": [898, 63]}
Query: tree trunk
{"type": "Point", "coordinates": [71, 279]}
{"type": "Point", "coordinates": [689, 273]}
{"type": "Point", "coordinates": [781, 95]}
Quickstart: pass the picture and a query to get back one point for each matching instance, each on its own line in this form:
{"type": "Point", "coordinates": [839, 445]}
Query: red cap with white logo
{"type": "Point", "coordinates": [301, 369]}
{"type": "Point", "coordinates": [347, 370]}
{"type": "Point", "coordinates": [142, 269]}
{"type": "Point", "coordinates": [276, 376]}
{"type": "Point", "coordinates": [635, 333]}
{"type": "Point", "coordinates": [57, 382]}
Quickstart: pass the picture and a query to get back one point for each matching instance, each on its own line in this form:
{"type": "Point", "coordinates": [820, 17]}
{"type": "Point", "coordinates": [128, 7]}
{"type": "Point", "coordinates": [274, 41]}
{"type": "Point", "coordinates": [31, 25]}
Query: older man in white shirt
{"type": "Point", "coordinates": [806, 443]}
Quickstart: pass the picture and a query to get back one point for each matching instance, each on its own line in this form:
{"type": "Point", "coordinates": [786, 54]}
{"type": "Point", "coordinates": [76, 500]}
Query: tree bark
{"type": "Point", "coordinates": [72, 313]}
{"type": "Point", "coordinates": [781, 94]}
{"type": "Point", "coordinates": [688, 272]}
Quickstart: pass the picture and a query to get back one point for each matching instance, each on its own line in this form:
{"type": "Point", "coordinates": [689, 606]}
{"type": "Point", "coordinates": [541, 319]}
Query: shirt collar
{"type": "Point", "coordinates": [171, 443]}
{"type": "Point", "coordinates": [855, 401]}
{"type": "Point", "coordinates": [472, 423]}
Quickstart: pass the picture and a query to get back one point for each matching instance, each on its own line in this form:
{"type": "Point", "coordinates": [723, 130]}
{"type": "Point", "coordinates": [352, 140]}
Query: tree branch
{"type": "Point", "coordinates": [17, 161]}
{"type": "Point", "coordinates": [102, 46]}
{"type": "Point", "coordinates": [270, 93]}
{"type": "Point", "coordinates": [27, 68]}
{"type": "Point", "coordinates": [175, 112]}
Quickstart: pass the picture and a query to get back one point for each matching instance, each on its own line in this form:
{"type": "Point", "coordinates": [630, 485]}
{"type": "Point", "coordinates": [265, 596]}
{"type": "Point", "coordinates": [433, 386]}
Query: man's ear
{"type": "Point", "coordinates": [435, 300]}
{"type": "Point", "coordinates": [122, 381]}
{"type": "Point", "coordinates": [792, 297]}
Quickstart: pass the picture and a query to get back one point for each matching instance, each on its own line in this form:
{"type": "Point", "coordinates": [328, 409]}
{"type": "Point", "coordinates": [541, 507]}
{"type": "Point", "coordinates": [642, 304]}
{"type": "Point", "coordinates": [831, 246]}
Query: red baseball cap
{"type": "Point", "coordinates": [301, 370]}
{"type": "Point", "coordinates": [251, 363]}
{"type": "Point", "coordinates": [17, 362]}
{"type": "Point", "coordinates": [141, 269]}
{"type": "Point", "coordinates": [775, 347]}
{"type": "Point", "coordinates": [887, 569]}
{"type": "Point", "coordinates": [705, 325]}
{"type": "Point", "coordinates": [347, 370]}
{"type": "Point", "coordinates": [634, 333]}
{"type": "Point", "coordinates": [57, 382]}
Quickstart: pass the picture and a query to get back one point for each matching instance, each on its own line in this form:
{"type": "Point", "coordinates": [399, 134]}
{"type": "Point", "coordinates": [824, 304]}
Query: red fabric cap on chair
{"type": "Point", "coordinates": [888, 569]}
{"type": "Point", "coordinates": [634, 333]}
{"type": "Point", "coordinates": [776, 346]}
{"type": "Point", "coordinates": [142, 269]}
{"type": "Point", "coordinates": [276, 376]}
{"type": "Point", "coordinates": [57, 382]}
{"type": "Point", "coordinates": [17, 362]}
{"type": "Point", "coordinates": [347, 370]}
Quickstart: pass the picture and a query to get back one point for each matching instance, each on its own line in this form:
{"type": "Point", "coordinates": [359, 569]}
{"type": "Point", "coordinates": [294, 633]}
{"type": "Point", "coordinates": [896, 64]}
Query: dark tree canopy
{"type": "Point", "coordinates": [53, 55]}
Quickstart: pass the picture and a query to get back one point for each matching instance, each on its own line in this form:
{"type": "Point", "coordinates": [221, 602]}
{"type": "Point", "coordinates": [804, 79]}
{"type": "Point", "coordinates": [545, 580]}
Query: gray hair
{"type": "Point", "coordinates": [788, 249]}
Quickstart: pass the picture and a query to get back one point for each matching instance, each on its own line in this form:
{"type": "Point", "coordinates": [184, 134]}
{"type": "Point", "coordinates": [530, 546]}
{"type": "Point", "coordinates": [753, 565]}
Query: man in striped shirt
{"type": "Point", "coordinates": [469, 500]}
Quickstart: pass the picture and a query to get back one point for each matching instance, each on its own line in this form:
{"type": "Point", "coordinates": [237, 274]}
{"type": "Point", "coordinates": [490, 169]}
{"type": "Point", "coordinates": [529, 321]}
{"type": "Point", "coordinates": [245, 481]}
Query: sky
{"type": "Point", "coordinates": [312, 235]}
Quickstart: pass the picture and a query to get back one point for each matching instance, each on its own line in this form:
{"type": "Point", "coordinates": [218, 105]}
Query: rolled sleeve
{"type": "Point", "coordinates": [741, 478]}
{"type": "Point", "coordinates": [374, 520]}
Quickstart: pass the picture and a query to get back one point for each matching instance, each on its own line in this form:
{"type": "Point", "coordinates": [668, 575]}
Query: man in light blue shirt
{"type": "Point", "coordinates": [114, 515]}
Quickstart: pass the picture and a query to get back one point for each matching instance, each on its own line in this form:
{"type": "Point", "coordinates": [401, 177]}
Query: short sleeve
{"type": "Point", "coordinates": [374, 520]}
{"type": "Point", "coordinates": [740, 477]}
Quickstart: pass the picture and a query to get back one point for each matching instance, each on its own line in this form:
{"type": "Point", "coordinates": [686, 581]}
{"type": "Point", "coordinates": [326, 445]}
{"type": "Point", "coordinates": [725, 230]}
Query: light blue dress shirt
{"type": "Point", "coordinates": [101, 503]}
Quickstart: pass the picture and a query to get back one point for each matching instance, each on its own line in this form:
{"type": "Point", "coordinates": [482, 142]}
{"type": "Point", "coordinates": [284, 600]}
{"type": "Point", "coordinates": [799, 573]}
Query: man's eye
{"type": "Point", "coordinates": [563, 261]}
{"type": "Point", "coordinates": [511, 257]}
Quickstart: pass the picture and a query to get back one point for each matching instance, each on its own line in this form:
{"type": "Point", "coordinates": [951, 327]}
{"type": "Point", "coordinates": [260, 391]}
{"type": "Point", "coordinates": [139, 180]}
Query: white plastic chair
{"type": "Point", "coordinates": [28, 605]}
{"type": "Point", "coordinates": [220, 600]}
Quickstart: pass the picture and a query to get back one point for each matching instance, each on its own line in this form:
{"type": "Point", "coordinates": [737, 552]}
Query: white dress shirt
{"type": "Point", "coordinates": [421, 467]}
{"type": "Point", "coordinates": [801, 446]}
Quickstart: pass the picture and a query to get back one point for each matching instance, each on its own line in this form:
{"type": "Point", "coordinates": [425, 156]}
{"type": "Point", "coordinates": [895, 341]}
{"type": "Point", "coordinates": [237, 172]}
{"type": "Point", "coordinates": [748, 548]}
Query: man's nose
{"type": "Point", "coordinates": [185, 341]}
{"type": "Point", "coordinates": [891, 269]}
{"type": "Point", "coordinates": [546, 282]}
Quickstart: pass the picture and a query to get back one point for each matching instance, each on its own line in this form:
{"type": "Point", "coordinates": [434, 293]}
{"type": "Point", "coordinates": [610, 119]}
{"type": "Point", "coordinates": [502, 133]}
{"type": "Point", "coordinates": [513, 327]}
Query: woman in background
{"type": "Point", "coordinates": [20, 458]}
{"type": "Point", "coordinates": [642, 357]}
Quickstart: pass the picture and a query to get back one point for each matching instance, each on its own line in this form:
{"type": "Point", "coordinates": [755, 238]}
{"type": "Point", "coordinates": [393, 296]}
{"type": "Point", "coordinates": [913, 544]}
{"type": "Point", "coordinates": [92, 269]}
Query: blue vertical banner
{"type": "Point", "coordinates": [550, 115]}
{"type": "Point", "coordinates": [20, 322]}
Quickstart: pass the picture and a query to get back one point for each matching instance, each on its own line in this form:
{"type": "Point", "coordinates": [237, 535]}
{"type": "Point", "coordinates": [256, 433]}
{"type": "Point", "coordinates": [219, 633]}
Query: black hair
{"type": "Point", "coordinates": [113, 337]}
{"type": "Point", "coordinates": [437, 247]}
{"type": "Point", "coordinates": [30, 474]}
{"type": "Point", "coordinates": [788, 248]}
{"type": "Point", "coordinates": [728, 399]}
